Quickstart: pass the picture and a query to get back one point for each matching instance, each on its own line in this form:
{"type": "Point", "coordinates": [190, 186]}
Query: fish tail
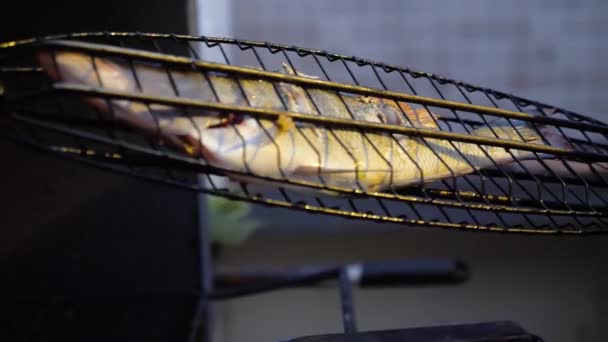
{"type": "Point", "coordinates": [503, 129]}
{"type": "Point", "coordinates": [524, 131]}
{"type": "Point", "coordinates": [555, 138]}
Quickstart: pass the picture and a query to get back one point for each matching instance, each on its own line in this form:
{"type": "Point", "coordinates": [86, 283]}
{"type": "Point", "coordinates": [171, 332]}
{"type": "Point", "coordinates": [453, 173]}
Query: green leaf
{"type": "Point", "coordinates": [229, 220]}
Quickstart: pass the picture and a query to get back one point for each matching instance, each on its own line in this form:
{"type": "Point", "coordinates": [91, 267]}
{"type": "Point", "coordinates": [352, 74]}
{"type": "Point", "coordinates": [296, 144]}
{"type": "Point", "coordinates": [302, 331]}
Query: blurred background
{"type": "Point", "coordinates": [68, 229]}
{"type": "Point", "coordinates": [549, 51]}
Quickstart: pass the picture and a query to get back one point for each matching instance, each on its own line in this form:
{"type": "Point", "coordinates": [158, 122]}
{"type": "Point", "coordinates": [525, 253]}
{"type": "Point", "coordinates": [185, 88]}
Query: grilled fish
{"type": "Point", "coordinates": [284, 149]}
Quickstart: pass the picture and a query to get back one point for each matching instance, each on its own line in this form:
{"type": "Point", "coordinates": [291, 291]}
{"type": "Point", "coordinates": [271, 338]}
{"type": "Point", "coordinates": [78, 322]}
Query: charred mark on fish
{"type": "Point", "coordinates": [231, 119]}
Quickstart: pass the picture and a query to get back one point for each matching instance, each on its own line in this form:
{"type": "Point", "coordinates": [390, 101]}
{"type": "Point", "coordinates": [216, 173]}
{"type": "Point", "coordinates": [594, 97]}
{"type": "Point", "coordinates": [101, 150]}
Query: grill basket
{"type": "Point", "coordinates": [561, 194]}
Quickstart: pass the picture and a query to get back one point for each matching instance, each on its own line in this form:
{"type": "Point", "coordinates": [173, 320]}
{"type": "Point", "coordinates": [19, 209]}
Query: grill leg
{"type": "Point", "coordinates": [202, 322]}
{"type": "Point", "coordinates": [346, 299]}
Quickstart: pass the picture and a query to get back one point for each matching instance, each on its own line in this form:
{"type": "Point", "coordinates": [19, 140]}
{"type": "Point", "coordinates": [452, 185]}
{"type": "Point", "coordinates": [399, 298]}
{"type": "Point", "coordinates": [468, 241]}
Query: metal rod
{"type": "Point", "coordinates": [310, 276]}
{"type": "Point", "coordinates": [202, 322]}
{"type": "Point", "coordinates": [347, 302]}
{"type": "Point", "coordinates": [395, 273]}
{"type": "Point", "coordinates": [321, 84]}
{"type": "Point", "coordinates": [273, 281]}
{"type": "Point", "coordinates": [179, 162]}
{"type": "Point", "coordinates": [218, 41]}
{"type": "Point", "coordinates": [21, 69]}
{"type": "Point", "coordinates": [338, 122]}
{"type": "Point", "coordinates": [186, 164]}
{"type": "Point", "coordinates": [241, 282]}
{"type": "Point", "coordinates": [206, 168]}
{"type": "Point", "coordinates": [316, 209]}
{"type": "Point", "coordinates": [283, 277]}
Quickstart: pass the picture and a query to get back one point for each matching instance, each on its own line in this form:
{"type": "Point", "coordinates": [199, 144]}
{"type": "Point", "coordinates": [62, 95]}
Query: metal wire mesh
{"type": "Point", "coordinates": [360, 139]}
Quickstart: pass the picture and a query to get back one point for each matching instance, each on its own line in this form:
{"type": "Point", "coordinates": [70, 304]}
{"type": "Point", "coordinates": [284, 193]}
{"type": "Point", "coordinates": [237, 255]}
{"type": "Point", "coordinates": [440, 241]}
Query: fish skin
{"type": "Point", "coordinates": [336, 157]}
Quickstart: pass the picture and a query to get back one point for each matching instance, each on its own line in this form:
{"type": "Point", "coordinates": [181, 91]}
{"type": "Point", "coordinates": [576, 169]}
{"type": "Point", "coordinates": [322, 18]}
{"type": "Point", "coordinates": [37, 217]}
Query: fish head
{"type": "Point", "coordinates": [81, 68]}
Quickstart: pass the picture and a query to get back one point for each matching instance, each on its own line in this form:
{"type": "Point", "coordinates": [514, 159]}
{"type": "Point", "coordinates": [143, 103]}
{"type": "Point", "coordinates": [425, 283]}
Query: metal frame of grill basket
{"type": "Point", "coordinates": [558, 199]}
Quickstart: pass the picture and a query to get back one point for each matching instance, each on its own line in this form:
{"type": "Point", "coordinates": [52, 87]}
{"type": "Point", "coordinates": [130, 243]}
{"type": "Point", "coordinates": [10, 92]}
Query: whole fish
{"type": "Point", "coordinates": [284, 149]}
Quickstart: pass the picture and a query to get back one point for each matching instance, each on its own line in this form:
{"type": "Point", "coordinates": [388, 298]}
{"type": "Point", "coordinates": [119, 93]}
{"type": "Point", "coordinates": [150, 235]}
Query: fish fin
{"type": "Point", "coordinates": [555, 138]}
{"type": "Point", "coordinates": [403, 189]}
{"type": "Point", "coordinates": [403, 105]}
{"type": "Point", "coordinates": [550, 134]}
{"type": "Point", "coordinates": [519, 130]}
{"type": "Point", "coordinates": [422, 117]}
{"type": "Point", "coordinates": [288, 70]}
{"type": "Point", "coordinates": [516, 130]}
{"type": "Point", "coordinates": [419, 117]}
{"type": "Point", "coordinates": [296, 98]}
